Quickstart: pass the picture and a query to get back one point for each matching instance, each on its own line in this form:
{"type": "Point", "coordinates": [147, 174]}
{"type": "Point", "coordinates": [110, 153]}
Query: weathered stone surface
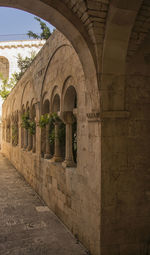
{"type": "Point", "coordinates": [104, 200]}
{"type": "Point", "coordinates": [61, 187]}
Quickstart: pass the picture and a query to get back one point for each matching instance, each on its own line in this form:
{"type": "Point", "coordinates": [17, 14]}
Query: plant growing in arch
{"type": "Point", "coordinates": [28, 124]}
{"type": "Point", "coordinates": [51, 119]}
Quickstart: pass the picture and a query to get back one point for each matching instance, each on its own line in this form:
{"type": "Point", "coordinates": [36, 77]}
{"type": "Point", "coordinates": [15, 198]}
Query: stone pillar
{"type": "Point", "coordinates": [25, 138]}
{"type": "Point", "coordinates": [47, 154]}
{"type": "Point", "coordinates": [19, 130]}
{"type": "Point", "coordinates": [34, 143]}
{"type": "Point", "coordinates": [38, 130]}
{"type": "Point", "coordinates": [68, 119]}
{"type": "Point", "coordinates": [11, 126]}
{"type": "Point", "coordinates": [22, 137]}
{"type": "Point", "coordinates": [29, 141]}
{"type": "Point", "coordinates": [57, 147]}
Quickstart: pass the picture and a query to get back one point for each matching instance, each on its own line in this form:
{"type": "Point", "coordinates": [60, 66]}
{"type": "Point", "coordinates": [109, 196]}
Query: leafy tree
{"type": "Point", "coordinates": [6, 86]}
{"type": "Point", "coordinates": [45, 34]}
{"type": "Point", "coordinates": [23, 64]}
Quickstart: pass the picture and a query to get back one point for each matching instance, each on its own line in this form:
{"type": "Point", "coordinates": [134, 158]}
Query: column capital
{"type": "Point", "coordinates": [67, 117]}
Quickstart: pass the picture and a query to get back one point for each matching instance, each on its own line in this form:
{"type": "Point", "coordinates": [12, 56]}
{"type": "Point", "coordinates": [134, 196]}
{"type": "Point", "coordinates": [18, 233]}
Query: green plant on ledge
{"type": "Point", "coordinates": [51, 119]}
{"type": "Point", "coordinates": [32, 127]}
{"type": "Point", "coordinates": [61, 131]}
{"type": "Point", "coordinates": [25, 120]}
{"type": "Point", "coordinates": [44, 120]}
{"type": "Point", "coordinates": [28, 124]}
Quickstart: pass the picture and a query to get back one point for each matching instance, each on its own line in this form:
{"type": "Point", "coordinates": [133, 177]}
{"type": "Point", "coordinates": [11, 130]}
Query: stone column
{"type": "Point", "coordinates": [38, 130]}
{"type": "Point", "coordinates": [11, 126]}
{"type": "Point", "coordinates": [68, 119]}
{"type": "Point", "coordinates": [57, 147]}
{"type": "Point", "coordinates": [47, 154]}
{"type": "Point", "coordinates": [19, 130]}
{"type": "Point", "coordinates": [29, 141]}
{"type": "Point", "coordinates": [34, 143]}
{"type": "Point", "coordinates": [25, 138]}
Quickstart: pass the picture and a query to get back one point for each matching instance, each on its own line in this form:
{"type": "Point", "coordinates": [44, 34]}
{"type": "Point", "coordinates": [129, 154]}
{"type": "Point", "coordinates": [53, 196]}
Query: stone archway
{"type": "Point", "coordinates": [4, 67]}
{"type": "Point", "coordinates": [65, 21]}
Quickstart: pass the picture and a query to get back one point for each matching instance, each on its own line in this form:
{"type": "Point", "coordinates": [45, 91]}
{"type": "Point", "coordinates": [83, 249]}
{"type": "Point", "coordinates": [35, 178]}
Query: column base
{"type": "Point", "coordinates": [57, 159]}
{"type": "Point", "coordinates": [29, 148]}
{"type": "Point", "coordinates": [68, 163]}
{"type": "Point", "coordinates": [47, 156]}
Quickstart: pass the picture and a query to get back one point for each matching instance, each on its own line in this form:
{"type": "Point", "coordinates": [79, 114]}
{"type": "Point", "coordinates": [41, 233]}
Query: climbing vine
{"type": "Point", "coordinates": [44, 120]}
{"type": "Point", "coordinates": [32, 127]}
{"type": "Point", "coordinates": [51, 119]}
{"type": "Point", "coordinates": [25, 120]}
{"type": "Point", "coordinates": [28, 124]}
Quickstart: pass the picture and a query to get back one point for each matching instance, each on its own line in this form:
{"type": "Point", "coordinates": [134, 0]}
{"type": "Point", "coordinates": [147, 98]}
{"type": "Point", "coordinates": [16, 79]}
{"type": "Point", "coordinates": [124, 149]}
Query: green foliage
{"type": "Point", "coordinates": [48, 119]}
{"type": "Point", "coordinates": [51, 119]}
{"type": "Point", "coordinates": [45, 34]}
{"type": "Point", "coordinates": [23, 64]}
{"type": "Point", "coordinates": [28, 124]}
{"type": "Point", "coordinates": [25, 121]}
{"type": "Point", "coordinates": [32, 127]}
{"type": "Point", "coordinates": [6, 86]}
{"type": "Point", "coordinates": [44, 120]}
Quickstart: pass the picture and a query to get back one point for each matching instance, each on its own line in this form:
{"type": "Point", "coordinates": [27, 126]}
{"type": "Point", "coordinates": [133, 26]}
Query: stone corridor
{"type": "Point", "coordinates": [27, 226]}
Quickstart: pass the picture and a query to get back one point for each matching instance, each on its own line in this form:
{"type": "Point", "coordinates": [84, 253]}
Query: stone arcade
{"type": "Point", "coordinates": [100, 77]}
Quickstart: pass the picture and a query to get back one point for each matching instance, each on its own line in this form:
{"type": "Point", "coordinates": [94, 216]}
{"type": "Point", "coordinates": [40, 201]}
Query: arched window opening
{"type": "Point", "coordinates": [45, 145]}
{"type": "Point", "coordinates": [70, 99]}
{"type": "Point", "coordinates": [33, 127]}
{"type": "Point", "coordinates": [57, 132]}
{"type": "Point", "coordinates": [45, 107]}
{"type": "Point", "coordinates": [70, 119]}
{"type": "Point", "coordinates": [4, 68]}
{"type": "Point", "coordinates": [15, 129]}
{"type": "Point", "coordinates": [8, 130]}
{"type": "Point", "coordinates": [25, 118]}
{"type": "Point", "coordinates": [22, 129]}
{"type": "Point", "coordinates": [56, 104]}
{"type": "Point", "coordinates": [3, 130]}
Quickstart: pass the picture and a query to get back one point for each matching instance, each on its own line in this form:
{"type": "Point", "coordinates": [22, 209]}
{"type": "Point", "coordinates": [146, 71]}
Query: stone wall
{"type": "Point", "coordinates": [125, 225]}
{"type": "Point", "coordinates": [105, 198]}
{"type": "Point", "coordinates": [71, 190]}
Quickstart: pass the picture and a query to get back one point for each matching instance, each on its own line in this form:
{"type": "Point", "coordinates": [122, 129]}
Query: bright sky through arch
{"type": "Point", "coordinates": [14, 26]}
{"type": "Point", "coordinates": [14, 21]}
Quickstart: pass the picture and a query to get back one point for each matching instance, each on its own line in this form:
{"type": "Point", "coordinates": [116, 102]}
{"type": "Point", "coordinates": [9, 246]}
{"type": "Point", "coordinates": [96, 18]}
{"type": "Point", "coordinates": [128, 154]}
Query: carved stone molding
{"type": "Point", "coordinates": [115, 115]}
{"type": "Point", "coordinates": [97, 117]}
{"type": "Point", "coordinates": [93, 116]}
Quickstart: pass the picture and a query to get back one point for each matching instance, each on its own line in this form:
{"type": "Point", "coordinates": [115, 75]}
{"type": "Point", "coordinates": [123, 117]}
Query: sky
{"type": "Point", "coordinates": [14, 21]}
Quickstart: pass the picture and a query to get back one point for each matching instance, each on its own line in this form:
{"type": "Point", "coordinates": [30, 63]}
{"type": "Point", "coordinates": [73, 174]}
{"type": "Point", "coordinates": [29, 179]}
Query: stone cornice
{"type": "Point", "coordinates": [97, 117]}
{"type": "Point", "coordinates": [22, 44]}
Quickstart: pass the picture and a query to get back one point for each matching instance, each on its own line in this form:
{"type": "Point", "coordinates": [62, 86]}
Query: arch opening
{"type": "Point", "coordinates": [4, 68]}
{"type": "Point", "coordinates": [66, 22]}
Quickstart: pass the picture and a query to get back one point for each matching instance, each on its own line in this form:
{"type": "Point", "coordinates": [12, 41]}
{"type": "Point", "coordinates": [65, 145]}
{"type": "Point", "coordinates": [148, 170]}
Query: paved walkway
{"type": "Point", "coordinates": [27, 226]}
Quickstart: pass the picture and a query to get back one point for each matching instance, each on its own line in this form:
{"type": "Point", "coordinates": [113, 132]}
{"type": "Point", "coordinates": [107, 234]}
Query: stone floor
{"type": "Point", "coordinates": [27, 226]}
